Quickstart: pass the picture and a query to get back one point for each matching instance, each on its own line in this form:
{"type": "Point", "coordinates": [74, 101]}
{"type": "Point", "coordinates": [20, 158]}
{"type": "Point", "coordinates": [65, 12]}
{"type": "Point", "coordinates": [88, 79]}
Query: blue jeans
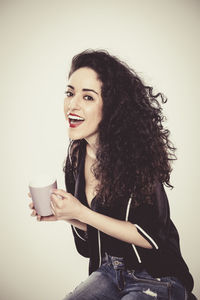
{"type": "Point", "coordinates": [113, 282]}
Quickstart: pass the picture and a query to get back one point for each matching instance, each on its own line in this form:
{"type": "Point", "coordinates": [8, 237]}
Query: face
{"type": "Point", "coordinates": [83, 105]}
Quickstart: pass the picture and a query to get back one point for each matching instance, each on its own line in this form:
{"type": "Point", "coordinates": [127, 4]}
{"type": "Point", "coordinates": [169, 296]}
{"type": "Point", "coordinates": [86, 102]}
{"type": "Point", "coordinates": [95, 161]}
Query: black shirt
{"type": "Point", "coordinates": [153, 223]}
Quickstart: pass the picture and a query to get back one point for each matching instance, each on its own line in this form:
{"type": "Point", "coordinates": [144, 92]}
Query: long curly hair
{"type": "Point", "coordinates": [134, 150]}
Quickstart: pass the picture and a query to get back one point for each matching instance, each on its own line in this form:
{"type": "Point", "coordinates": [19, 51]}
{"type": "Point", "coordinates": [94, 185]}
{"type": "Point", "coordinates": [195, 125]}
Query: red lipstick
{"type": "Point", "coordinates": [74, 120]}
{"type": "Point", "coordinates": [75, 115]}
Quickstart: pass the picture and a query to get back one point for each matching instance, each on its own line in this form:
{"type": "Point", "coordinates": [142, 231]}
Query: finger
{"type": "Point", "coordinates": [38, 218]}
{"type": "Point", "coordinates": [55, 201]}
{"type": "Point", "coordinates": [31, 205]}
{"type": "Point", "coordinates": [33, 213]}
{"type": "Point", "coordinates": [29, 194]}
{"type": "Point", "coordinates": [48, 218]}
{"type": "Point", "coordinates": [60, 193]}
{"type": "Point", "coordinates": [52, 208]}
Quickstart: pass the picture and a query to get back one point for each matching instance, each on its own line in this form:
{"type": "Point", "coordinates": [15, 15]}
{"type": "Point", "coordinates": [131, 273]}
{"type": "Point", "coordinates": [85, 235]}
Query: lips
{"type": "Point", "coordinates": [75, 120]}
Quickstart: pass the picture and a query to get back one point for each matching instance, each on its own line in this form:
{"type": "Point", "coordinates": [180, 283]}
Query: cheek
{"type": "Point", "coordinates": [100, 113]}
{"type": "Point", "coordinates": [95, 117]}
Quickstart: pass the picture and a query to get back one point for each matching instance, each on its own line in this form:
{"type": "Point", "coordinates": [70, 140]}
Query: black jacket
{"type": "Point", "coordinates": [153, 223]}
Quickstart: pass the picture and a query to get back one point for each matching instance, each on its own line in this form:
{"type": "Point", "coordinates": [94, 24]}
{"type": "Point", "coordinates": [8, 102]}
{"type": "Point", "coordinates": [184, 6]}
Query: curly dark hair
{"type": "Point", "coordinates": [134, 148]}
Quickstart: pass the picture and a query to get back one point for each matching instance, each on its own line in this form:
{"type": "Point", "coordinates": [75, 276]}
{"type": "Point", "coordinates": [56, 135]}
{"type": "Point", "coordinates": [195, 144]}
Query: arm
{"type": "Point", "coordinates": [78, 224]}
{"type": "Point", "coordinates": [70, 207]}
{"type": "Point", "coordinates": [118, 229]}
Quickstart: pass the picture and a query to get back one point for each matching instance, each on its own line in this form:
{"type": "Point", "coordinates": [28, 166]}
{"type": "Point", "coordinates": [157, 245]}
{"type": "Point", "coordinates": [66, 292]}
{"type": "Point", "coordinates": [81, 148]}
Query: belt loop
{"type": "Point", "coordinates": [106, 257]}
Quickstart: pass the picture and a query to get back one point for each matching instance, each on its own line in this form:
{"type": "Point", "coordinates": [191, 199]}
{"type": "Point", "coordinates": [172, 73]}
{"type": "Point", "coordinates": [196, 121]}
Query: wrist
{"type": "Point", "coordinates": [83, 214]}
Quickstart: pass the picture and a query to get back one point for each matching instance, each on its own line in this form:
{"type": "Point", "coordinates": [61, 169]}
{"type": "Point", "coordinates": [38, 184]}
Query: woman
{"type": "Point", "coordinates": [118, 159]}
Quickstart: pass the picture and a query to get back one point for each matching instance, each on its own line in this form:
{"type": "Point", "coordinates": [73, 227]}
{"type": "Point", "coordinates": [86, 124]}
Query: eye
{"type": "Point", "coordinates": [89, 98]}
{"type": "Point", "coordinates": [68, 94]}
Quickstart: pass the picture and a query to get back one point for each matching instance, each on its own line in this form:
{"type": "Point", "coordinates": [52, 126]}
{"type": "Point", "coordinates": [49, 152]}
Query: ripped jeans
{"type": "Point", "coordinates": [113, 282]}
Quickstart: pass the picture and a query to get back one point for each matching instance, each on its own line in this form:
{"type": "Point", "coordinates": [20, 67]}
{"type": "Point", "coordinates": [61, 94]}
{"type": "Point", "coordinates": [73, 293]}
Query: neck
{"type": "Point", "coordinates": [91, 149]}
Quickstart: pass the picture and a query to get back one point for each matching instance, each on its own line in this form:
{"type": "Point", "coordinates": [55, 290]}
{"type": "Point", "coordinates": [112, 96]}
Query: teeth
{"type": "Point", "coordinates": [76, 118]}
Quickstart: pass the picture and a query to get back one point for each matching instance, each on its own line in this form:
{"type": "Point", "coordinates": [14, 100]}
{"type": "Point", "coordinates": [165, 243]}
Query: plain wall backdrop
{"type": "Point", "coordinates": [160, 40]}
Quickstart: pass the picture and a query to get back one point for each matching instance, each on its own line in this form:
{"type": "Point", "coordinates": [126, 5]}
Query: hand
{"type": "Point", "coordinates": [65, 206]}
{"type": "Point", "coordinates": [40, 218]}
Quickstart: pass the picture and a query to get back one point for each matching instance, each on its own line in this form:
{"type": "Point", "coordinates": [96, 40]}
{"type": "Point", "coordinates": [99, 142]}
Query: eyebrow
{"type": "Point", "coordinates": [84, 90]}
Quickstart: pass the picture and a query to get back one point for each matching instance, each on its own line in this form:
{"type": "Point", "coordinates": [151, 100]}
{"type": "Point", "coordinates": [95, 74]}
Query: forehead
{"type": "Point", "coordinates": [85, 78]}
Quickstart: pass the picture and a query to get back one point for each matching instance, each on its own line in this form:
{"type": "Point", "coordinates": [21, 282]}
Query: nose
{"type": "Point", "coordinates": [74, 102]}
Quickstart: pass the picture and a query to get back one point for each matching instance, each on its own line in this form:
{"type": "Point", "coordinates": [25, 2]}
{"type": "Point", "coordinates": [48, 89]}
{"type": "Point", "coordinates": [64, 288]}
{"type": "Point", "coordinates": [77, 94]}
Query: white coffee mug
{"type": "Point", "coordinates": [41, 188]}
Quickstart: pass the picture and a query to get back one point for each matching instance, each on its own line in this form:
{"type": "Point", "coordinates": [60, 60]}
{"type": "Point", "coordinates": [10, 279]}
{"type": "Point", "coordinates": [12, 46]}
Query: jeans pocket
{"type": "Point", "coordinates": [167, 287]}
{"type": "Point", "coordinates": [143, 282]}
{"type": "Point", "coordinates": [144, 277]}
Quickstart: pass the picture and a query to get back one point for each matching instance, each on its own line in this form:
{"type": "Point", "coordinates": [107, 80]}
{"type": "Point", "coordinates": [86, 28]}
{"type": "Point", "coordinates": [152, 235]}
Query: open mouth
{"type": "Point", "coordinates": [75, 120]}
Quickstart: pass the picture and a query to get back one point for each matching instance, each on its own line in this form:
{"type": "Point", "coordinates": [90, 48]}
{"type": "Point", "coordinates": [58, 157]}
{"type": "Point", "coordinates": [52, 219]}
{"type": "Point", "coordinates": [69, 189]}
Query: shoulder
{"type": "Point", "coordinates": [161, 201]}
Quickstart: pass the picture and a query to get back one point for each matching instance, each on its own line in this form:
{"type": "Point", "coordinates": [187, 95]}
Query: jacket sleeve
{"type": "Point", "coordinates": [80, 236]}
{"type": "Point", "coordinates": [152, 220]}
{"type": "Point", "coordinates": [81, 241]}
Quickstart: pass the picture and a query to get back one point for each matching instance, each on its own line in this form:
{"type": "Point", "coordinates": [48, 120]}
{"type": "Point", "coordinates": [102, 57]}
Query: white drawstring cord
{"type": "Point", "coordinates": [78, 234]}
{"type": "Point", "coordinates": [99, 243]}
{"type": "Point", "coordinates": [127, 214]}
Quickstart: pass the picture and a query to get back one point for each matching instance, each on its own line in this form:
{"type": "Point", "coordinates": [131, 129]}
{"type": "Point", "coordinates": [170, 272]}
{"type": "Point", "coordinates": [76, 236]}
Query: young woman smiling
{"type": "Point", "coordinates": [119, 157]}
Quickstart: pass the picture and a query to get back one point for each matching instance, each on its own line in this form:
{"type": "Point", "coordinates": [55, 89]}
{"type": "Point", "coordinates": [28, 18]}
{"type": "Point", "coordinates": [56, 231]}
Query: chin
{"type": "Point", "coordinates": [75, 136]}
{"type": "Point", "coordinates": [78, 135]}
